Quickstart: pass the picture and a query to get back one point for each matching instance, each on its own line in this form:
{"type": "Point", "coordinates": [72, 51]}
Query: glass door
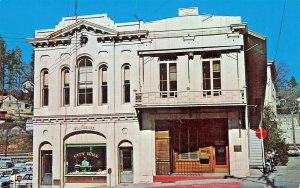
{"type": "Point", "coordinates": [46, 164]}
{"type": "Point", "coordinates": [126, 164]}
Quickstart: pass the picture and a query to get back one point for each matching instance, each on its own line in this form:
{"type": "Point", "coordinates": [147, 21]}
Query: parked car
{"type": "Point", "coordinates": [28, 166]}
{"type": "Point", "coordinates": [5, 172]}
{"type": "Point", "coordinates": [6, 162]}
{"type": "Point", "coordinates": [294, 151]}
{"type": "Point", "coordinates": [4, 183]}
{"type": "Point", "coordinates": [26, 179]}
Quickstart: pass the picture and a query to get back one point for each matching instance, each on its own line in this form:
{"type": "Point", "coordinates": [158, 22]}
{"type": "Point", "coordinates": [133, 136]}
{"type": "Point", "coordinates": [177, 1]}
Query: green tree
{"type": "Point", "coordinates": [292, 83]}
{"type": "Point", "coordinates": [4, 59]}
{"type": "Point", "coordinates": [275, 138]}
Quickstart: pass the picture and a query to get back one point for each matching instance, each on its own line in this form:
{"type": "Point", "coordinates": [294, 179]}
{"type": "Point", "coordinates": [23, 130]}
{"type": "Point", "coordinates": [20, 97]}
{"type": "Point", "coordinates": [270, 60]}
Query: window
{"type": "Point", "coordinates": [211, 77]}
{"type": "Point", "coordinates": [85, 81]}
{"type": "Point", "coordinates": [66, 86]}
{"type": "Point", "coordinates": [168, 79]}
{"type": "Point", "coordinates": [103, 84]}
{"type": "Point", "coordinates": [85, 159]}
{"type": "Point", "coordinates": [126, 84]}
{"type": "Point", "coordinates": [45, 89]}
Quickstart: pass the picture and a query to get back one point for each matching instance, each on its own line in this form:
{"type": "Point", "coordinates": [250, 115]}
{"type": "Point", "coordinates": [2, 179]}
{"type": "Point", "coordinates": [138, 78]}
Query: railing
{"type": "Point", "coordinates": [171, 98]}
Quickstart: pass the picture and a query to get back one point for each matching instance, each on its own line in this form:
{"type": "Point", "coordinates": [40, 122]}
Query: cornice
{"type": "Point", "coordinates": [81, 119]}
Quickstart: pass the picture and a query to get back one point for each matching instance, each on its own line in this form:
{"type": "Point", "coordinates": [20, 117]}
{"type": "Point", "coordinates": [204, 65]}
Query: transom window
{"type": "Point", "coordinates": [85, 81]}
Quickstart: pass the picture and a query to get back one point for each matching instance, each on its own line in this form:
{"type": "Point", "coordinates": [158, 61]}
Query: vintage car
{"type": "Point", "coordinates": [6, 162]}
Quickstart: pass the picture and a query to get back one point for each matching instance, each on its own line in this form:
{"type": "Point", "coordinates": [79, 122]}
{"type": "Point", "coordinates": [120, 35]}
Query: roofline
{"type": "Point", "coordinates": [260, 36]}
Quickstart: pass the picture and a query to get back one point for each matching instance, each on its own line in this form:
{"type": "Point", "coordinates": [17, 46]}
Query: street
{"type": "Point", "coordinates": [285, 176]}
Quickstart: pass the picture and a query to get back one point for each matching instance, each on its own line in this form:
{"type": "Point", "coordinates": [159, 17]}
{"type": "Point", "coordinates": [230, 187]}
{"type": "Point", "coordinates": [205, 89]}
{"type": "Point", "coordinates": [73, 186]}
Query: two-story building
{"type": "Point", "coordinates": [127, 102]}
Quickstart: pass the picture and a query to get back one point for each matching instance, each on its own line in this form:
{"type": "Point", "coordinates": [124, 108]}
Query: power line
{"type": "Point", "coordinates": [279, 35]}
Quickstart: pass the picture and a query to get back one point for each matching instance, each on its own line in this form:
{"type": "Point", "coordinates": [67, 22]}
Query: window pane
{"type": "Point", "coordinates": [85, 160]}
{"type": "Point", "coordinates": [45, 96]}
{"type": "Point", "coordinates": [45, 78]}
{"type": "Point", "coordinates": [104, 75]}
{"type": "Point", "coordinates": [127, 93]}
{"type": "Point", "coordinates": [89, 98]}
{"type": "Point", "coordinates": [104, 94]}
{"type": "Point", "coordinates": [82, 75]}
{"type": "Point", "coordinates": [206, 69]}
{"type": "Point", "coordinates": [216, 66]}
{"type": "Point", "coordinates": [66, 96]}
{"type": "Point", "coordinates": [206, 84]}
{"type": "Point", "coordinates": [173, 76]}
{"type": "Point", "coordinates": [163, 71]}
{"type": "Point", "coordinates": [173, 67]}
{"type": "Point", "coordinates": [126, 73]}
{"type": "Point", "coordinates": [163, 86]}
{"type": "Point", "coordinates": [217, 74]}
{"type": "Point", "coordinates": [81, 97]}
{"type": "Point", "coordinates": [66, 77]}
{"type": "Point", "coordinates": [173, 85]}
{"type": "Point", "coordinates": [217, 83]}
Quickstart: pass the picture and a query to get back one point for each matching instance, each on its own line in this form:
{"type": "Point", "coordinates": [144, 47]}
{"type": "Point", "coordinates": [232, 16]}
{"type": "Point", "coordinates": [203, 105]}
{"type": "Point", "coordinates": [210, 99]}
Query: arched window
{"type": "Point", "coordinates": [65, 84]}
{"type": "Point", "coordinates": [85, 81]}
{"type": "Point", "coordinates": [126, 83]}
{"type": "Point", "coordinates": [44, 87]}
{"type": "Point", "coordinates": [103, 84]}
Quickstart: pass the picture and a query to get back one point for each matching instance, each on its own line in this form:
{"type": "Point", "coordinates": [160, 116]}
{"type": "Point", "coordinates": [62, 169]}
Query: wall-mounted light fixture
{"type": "Point", "coordinates": [190, 55]}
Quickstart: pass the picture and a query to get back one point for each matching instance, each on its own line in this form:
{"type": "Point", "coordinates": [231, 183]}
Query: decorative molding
{"type": "Point", "coordinates": [81, 119]}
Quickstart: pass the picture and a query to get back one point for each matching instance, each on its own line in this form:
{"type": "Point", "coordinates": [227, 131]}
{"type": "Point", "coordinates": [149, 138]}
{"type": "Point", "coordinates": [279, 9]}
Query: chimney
{"type": "Point", "coordinates": [192, 11]}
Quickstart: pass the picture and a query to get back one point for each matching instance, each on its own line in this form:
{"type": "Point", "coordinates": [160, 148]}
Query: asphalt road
{"type": "Point", "coordinates": [284, 177]}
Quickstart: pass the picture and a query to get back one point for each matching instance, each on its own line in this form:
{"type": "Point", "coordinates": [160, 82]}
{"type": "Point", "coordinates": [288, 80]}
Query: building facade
{"type": "Point", "coordinates": [125, 102]}
{"type": "Point", "coordinates": [270, 98]}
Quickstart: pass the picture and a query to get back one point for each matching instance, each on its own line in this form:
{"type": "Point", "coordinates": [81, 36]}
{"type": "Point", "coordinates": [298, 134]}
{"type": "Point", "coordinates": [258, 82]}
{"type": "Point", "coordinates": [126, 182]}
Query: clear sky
{"type": "Point", "coordinates": [20, 18]}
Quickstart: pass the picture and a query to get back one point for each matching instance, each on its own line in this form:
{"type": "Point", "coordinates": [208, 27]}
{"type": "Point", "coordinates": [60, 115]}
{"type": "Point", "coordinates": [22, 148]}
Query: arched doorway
{"type": "Point", "coordinates": [46, 164]}
{"type": "Point", "coordinates": [126, 162]}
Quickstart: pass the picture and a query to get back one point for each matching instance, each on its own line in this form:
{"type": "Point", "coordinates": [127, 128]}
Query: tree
{"type": "Point", "coordinates": [282, 71]}
{"type": "Point", "coordinates": [292, 83]}
{"type": "Point", "coordinates": [4, 59]}
{"type": "Point", "coordinates": [275, 138]}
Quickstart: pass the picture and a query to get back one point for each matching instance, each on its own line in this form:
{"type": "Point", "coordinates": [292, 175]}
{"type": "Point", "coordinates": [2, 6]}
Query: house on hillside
{"type": "Point", "coordinates": [128, 102]}
{"type": "Point", "coordinates": [11, 104]}
{"type": "Point", "coordinates": [16, 130]}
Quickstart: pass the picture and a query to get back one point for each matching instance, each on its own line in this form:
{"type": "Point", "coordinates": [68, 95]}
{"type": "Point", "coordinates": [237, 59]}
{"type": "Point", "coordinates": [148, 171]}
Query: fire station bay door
{"type": "Point", "coordinates": [126, 163]}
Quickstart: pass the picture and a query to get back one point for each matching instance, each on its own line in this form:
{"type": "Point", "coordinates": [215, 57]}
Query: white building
{"type": "Point", "coordinates": [11, 104]}
{"type": "Point", "coordinates": [289, 124]}
{"type": "Point", "coordinates": [270, 97]}
{"type": "Point", "coordinates": [144, 99]}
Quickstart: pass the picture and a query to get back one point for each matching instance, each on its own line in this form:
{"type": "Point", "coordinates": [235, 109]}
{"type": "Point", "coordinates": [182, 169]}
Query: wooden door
{"type": "Point", "coordinates": [162, 153]}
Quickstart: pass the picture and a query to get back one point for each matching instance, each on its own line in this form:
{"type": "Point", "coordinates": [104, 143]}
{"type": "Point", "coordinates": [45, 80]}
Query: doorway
{"type": "Point", "coordinates": [46, 167]}
{"type": "Point", "coordinates": [191, 146]}
{"type": "Point", "coordinates": [126, 164]}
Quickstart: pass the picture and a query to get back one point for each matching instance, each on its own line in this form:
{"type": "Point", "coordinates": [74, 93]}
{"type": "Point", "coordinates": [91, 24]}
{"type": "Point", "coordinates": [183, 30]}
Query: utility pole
{"type": "Point", "coordinates": [293, 129]}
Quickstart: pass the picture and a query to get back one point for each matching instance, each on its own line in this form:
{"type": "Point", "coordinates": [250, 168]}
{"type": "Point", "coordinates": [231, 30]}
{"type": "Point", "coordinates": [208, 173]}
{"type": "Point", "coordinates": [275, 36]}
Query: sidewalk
{"type": "Point", "coordinates": [257, 180]}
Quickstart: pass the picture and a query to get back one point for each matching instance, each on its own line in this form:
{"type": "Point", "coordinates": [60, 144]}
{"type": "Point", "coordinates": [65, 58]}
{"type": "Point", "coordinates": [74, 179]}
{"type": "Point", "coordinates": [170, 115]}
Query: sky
{"type": "Point", "coordinates": [20, 18]}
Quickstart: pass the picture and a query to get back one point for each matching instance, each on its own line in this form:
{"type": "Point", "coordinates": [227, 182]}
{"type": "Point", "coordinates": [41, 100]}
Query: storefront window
{"type": "Point", "coordinates": [89, 159]}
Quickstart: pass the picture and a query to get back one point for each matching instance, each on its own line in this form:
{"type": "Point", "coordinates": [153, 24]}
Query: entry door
{"type": "Point", "coordinates": [126, 165]}
{"type": "Point", "coordinates": [46, 164]}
